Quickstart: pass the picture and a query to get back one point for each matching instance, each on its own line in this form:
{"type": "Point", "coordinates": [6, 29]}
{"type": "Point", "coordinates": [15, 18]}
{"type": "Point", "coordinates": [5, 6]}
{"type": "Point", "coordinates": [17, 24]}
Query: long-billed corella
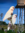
{"type": "Point", "coordinates": [8, 14]}
{"type": "Point", "coordinates": [14, 19]}
{"type": "Point", "coordinates": [9, 25]}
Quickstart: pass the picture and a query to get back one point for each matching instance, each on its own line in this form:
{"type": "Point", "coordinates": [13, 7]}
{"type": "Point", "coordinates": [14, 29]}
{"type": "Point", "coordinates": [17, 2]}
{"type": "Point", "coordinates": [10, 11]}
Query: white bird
{"type": "Point", "coordinates": [8, 14]}
{"type": "Point", "coordinates": [14, 19]}
{"type": "Point", "coordinates": [8, 28]}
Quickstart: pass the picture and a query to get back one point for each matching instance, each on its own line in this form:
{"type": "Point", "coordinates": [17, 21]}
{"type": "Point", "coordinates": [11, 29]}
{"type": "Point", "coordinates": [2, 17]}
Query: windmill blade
{"type": "Point", "coordinates": [14, 19]}
{"type": "Point", "coordinates": [8, 14]}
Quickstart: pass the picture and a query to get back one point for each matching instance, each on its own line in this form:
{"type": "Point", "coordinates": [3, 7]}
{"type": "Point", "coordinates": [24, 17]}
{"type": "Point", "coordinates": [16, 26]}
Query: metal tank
{"type": "Point", "coordinates": [20, 2]}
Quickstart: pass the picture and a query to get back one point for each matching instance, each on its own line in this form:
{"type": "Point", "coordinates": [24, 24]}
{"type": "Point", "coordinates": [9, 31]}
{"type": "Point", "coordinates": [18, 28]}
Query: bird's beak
{"type": "Point", "coordinates": [11, 13]}
{"type": "Point", "coordinates": [14, 8]}
{"type": "Point", "coordinates": [16, 15]}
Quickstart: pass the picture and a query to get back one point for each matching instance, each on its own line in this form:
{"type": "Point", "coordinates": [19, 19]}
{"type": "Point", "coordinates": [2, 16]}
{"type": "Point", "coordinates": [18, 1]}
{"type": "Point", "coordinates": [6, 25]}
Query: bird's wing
{"type": "Point", "coordinates": [7, 15]}
{"type": "Point", "coordinates": [13, 20]}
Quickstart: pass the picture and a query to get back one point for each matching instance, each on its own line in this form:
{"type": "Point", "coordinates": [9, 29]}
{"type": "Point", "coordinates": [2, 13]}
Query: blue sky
{"type": "Point", "coordinates": [5, 5]}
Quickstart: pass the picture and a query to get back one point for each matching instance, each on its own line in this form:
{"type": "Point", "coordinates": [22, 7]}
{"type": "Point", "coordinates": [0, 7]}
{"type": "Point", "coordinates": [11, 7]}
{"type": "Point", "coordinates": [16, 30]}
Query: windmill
{"type": "Point", "coordinates": [1, 15]}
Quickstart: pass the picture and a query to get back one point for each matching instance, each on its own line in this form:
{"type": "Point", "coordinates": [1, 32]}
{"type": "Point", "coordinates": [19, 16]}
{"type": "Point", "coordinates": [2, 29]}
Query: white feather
{"type": "Point", "coordinates": [8, 28]}
{"type": "Point", "coordinates": [8, 14]}
{"type": "Point", "coordinates": [13, 19]}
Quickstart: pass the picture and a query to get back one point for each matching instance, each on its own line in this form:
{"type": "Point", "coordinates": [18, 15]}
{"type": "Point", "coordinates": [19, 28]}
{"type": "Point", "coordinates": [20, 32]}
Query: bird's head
{"type": "Point", "coordinates": [12, 8]}
{"type": "Point", "coordinates": [14, 15]}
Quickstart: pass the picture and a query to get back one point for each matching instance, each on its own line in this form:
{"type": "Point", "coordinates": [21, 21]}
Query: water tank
{"type": "Point", "coordinates": [20, 2]}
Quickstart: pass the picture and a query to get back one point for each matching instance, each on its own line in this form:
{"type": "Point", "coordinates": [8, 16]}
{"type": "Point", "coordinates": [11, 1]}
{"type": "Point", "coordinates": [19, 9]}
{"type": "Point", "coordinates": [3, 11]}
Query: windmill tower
{"type": "Point", "coordinates": [21, 4]}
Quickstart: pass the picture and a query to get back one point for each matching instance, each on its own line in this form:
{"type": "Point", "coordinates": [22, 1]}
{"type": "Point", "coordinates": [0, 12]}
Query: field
{"type": "Point", "coordinates": [3, 26]}
{"type": "Point", "coordinates": [15, 29]}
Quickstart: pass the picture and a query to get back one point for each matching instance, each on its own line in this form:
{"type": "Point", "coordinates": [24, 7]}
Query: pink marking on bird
{"type": "Point", "coordinates": [11, 9]}
{"type": "Point", "coordinates": [14, 17]}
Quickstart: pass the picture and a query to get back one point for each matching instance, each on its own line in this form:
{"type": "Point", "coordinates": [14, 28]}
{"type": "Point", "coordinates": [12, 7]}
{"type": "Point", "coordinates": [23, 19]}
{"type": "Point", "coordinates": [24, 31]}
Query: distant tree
{"type": "Point", "coordinates": [3, 23]}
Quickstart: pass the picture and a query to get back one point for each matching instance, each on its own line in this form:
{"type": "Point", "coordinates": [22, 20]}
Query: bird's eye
{"type": "Point", "coordinates": [13, 7]}
{"type": "Point", "coordinates": [16, 15]}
